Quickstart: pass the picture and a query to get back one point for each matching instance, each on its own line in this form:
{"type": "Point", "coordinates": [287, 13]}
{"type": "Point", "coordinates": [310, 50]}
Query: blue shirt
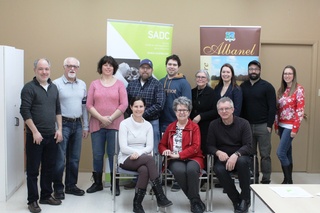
{"type": "Point", "coordinates": [73, 96]}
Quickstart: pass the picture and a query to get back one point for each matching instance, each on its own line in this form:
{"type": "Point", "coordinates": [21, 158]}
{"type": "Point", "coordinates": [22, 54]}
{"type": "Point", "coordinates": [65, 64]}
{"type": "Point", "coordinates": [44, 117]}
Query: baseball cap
{"type": "Point", "coordinates": [255, 62]}
{"type": "Point", "coordinates": [146, 61]}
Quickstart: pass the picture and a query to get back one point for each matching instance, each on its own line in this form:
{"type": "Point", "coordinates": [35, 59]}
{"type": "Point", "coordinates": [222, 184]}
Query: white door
{"type": "Point", "coordinates": [13, 75]}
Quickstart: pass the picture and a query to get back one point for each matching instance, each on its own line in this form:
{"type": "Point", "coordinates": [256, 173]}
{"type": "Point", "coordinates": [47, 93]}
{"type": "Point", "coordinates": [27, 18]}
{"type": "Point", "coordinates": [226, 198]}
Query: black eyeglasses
{"type": "Point", "coordinates": [69, 66]}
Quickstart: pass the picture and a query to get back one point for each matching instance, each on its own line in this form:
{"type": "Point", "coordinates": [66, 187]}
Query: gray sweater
{"type": "Point", "coordinates": [40, 105]}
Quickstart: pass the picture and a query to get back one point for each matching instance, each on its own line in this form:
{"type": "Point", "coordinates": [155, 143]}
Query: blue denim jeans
{"type": "Point", "coordinates": [156, 135]}
{"type": "Point", "coordinates": [69, 151]}
{"type": "Point", "coordinates": [284, 150]}
{"type": "Point", "coordinates": [103, 141]}
{"type": "Point", "coordinates": [44, 155]}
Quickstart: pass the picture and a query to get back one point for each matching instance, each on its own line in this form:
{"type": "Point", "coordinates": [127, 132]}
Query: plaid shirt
{"type": "Point", "coordinates": [152, 92]}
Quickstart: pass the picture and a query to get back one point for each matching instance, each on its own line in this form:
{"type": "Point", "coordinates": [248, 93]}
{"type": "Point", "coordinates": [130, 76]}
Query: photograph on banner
{"type": "Point", "coordinates": [235, 45]}
{"type": "Point", "coordinates": [130, 41]}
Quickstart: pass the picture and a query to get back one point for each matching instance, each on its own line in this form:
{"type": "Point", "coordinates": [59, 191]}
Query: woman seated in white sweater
{"type": "Point", "coordinates": [136, 144]}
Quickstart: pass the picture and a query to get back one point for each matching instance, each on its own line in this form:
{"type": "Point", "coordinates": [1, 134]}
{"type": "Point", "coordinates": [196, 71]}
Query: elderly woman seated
{"type": "Point", "coordinates": [181, 143]}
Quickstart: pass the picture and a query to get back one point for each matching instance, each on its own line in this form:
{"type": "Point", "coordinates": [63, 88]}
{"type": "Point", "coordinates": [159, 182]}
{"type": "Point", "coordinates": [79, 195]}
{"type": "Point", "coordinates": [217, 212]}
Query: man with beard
{"type": "Point", "coordinates": [259, 108]}
{"type": "Point", "coordinates": [149, 88]}
{"type": "Point", "coordinates": [72, 94]}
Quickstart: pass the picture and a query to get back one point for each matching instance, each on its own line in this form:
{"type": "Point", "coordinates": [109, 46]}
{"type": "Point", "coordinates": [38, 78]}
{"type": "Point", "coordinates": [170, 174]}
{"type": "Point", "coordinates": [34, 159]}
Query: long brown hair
{"type": "Point", "coordinates": [284, 85]}
{"type": "Point", "coordinates": [233, 78]}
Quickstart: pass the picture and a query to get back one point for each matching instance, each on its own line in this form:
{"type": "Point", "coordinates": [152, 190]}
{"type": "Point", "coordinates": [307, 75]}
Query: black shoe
{"type": "Point", "coordinates": [197, 206]}
{"type": "Point", "coordinates": [243, 206]}
{"type": "Point", "coordinates": [217, 185]}
{"type": "Point", "coordinates": [74, 191]}
{"type": "Point", "coordinates": [58, 195]}
{"type": "Point", "coordinates": [130, 185]}
{"type": "Point", "coordinates": [50, 201]}
{"type": "Point", "coordinates": [34, 207]}
{"type": "Point", "coordinates": [265, 181]}
{"type": "Point", "coordinates": [175, 187]}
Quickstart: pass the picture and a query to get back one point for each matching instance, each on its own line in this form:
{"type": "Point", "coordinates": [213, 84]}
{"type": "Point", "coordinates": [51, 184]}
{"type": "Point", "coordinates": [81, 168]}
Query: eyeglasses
{"type": "Point", "coordinates": [145, 67]}
{"type": "Point", "coordinates": [254, 69]}
{"type": "Point", "coordinates": [69, 66]}
{"type": "Point", "coordinates": [224, 109]}
{"type": "Point", "coordinates": [182, 110]}
{"type": "Point", "coordinates": [289, 73]}
{"type": "Point", "coordinates": [201, 77]}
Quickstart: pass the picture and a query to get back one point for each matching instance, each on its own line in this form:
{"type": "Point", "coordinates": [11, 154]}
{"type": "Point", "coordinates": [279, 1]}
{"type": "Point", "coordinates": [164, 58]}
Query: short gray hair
{"type": "Point", "coordinates": [205, 72]}
{"type": "Point", "coordinates": [35, 63]}
{"type": "Point", "coordinates": [225, 99]}
{"type": "Point", "coordinates": [182, 100]}
{"type": "Point", "coordinates": [67, 59]}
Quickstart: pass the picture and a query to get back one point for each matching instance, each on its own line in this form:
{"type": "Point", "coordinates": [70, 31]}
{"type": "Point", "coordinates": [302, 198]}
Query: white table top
{"type": "Point", "coordinates": [279, 204]}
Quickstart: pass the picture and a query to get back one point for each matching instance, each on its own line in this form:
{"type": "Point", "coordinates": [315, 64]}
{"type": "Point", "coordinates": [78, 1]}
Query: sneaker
{"type": "Point", "coordinates": [175, 187]}
{"type": "Point", "coordinates": [130, 185]}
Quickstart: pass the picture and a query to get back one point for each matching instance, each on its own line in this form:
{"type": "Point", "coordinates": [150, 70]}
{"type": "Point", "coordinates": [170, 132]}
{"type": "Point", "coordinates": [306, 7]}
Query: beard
{"type": "Point", "coordinates": [72, 75]}
{"type": "Point", "coordinates": [254, 76]}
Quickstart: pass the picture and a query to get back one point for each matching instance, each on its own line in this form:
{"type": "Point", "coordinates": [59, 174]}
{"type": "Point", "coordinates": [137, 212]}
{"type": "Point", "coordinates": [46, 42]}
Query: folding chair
{"type": "Point", "coordinates": [118, 171]}
{"type": "Point", "coordinates": [169, 176]}
{"type": "Point", "coordinates": [234, 176]}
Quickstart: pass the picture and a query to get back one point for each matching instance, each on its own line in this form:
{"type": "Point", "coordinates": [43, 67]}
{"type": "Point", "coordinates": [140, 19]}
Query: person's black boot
{"type": "Point", "coordinates": [137, 200]}
{"type": "Point", "coordinates": [287, 174]}
{"type": "Point", "coordinates": [162, 200]}
{"type": "Point", "coordinates": [97, 184]}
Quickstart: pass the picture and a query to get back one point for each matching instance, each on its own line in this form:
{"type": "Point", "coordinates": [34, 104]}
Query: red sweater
{"type": "Point", "coordinates": [191, 142]}
{"type": "Point", "coordinates": [290, 109]}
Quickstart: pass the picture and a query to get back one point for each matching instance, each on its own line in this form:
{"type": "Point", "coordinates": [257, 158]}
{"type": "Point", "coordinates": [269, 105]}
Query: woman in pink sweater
{"type": "Point", "coordinates": [290, 111]}
{"type": "Point", "coordinates": [106, 102]}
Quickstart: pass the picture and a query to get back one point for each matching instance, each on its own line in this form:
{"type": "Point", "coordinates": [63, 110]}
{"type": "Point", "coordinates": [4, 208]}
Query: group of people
{"type": "Point", "coordinates": [164, 117]}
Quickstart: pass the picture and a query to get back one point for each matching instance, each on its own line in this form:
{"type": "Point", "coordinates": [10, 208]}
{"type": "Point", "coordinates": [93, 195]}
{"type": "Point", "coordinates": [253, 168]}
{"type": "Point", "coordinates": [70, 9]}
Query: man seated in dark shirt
{"type": "Point", "coordinates": [229, 140]}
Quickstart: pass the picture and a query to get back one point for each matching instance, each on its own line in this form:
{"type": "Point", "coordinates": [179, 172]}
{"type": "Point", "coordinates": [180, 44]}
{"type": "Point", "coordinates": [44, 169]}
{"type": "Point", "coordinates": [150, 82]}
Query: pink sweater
{"type": "Point", "coordinates": [106, 100]}
{"type": "Point", "coordinates": [290, 109]}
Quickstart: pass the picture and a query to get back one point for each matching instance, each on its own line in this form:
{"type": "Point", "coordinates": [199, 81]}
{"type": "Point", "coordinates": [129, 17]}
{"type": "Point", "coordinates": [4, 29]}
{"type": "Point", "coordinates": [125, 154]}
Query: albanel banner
{"type": "Point", "coordinates": [129, 42]}
{"type": "Point", "coordinates": [235, 45]}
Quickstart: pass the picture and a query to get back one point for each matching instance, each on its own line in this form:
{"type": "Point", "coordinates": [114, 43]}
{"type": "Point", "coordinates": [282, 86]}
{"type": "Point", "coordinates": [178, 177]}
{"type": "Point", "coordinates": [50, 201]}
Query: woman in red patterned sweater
{"type": "Point", "coordinates": [290, 111]}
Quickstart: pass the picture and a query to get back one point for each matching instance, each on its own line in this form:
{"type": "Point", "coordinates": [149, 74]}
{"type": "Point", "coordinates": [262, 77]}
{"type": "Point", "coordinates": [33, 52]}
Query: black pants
{"type": "Point", "coordinates": [242, 168]}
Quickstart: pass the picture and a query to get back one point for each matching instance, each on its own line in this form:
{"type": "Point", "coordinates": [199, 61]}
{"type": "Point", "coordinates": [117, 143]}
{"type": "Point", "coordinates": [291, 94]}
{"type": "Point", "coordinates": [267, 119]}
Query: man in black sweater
{"type": "Point", "coordinates": [229, 140]}
{"type": "Point", "coordinates": [259, 108]}
{"type": "Point", "coordinates": [40, 109]}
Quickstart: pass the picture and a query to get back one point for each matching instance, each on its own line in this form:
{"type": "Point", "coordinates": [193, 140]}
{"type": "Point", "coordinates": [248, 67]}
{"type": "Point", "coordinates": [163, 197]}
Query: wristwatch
{"type": "Point", "coordinates": [237, 154]}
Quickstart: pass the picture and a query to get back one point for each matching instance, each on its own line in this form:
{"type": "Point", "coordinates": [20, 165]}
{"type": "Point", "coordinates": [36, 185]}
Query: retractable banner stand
{"type": "Point", "coordinates": [236, 45]}
{"type": "Point", "coordinates": [130, 41]}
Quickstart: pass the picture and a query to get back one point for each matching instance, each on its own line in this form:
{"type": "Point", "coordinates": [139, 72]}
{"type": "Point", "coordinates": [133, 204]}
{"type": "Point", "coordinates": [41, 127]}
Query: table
{"type": "Point", "coordinates": [279, 204]}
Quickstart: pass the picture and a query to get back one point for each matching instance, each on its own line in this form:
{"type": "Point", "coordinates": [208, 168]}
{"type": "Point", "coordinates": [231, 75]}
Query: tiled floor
{"type": "Point", "coordinates": [102, 201]}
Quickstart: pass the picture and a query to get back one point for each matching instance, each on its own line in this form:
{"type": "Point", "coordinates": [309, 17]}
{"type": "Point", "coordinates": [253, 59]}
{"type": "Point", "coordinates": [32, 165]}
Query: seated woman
{"type": "Point", "coordinates": [136, 144]}
{"type": "Point", "coordinates": [181, 143]}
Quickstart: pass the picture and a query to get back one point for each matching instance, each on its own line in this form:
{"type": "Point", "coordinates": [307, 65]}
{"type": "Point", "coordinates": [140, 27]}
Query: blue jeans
{"type": "Point", "coordinates": [44, 155]}
{"type": "Point", "coordinates": [156, 135]}
{"type": "Point", "coordinates": [69, 151]}
{"type": "Point", "coordinates": [261, 137]}
{"type": "Point", "coordinates": [99, 148]}
{"type": "Point", "coordinates": [284, 150]}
